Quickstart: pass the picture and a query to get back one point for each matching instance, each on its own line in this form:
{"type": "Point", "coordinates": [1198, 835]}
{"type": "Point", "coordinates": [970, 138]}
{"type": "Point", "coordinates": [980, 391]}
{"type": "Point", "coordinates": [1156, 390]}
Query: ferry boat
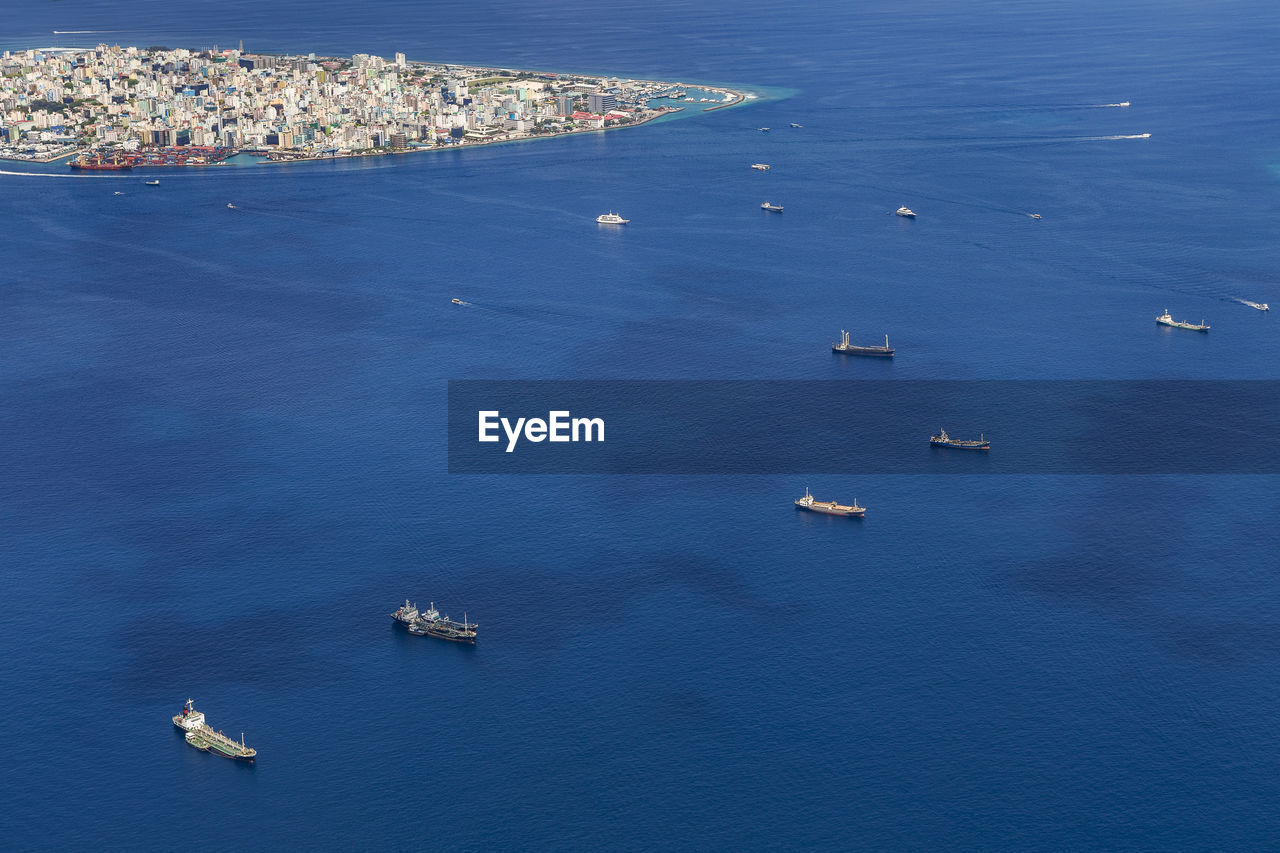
{"type": "Point", "coordinates": [198, 734]}
{"type": "Point", "coordinates": [1165, 320]}
{"type": "Point", "coordinates": [847, 348]}
{"type": "Point", "coordinates": [760, 167]}
{"type": "Point", "coordinates": [944, 440]}
{"type": "Point", "coordinates": [830, 507]}
{"type": "Point", "coordinates": [1261, 306]}
{"type": "Point", "coordinates": [776, 208]}
{"type": "Point", "coordinates": [152, 183]}
{"type": "Point", "coordinates": [611, 218]}
{"type": "Point", "coordinates": [907, 212]}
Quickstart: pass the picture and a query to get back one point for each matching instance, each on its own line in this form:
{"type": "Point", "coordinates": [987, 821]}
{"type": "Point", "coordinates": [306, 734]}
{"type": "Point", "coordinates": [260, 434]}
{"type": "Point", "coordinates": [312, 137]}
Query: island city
{"type": "Point", "coordinates": [113, 108]}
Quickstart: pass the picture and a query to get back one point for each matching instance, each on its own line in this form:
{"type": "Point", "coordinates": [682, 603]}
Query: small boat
{"type": "Point", "coordinates": [776, 208]}
{"type": "Point", "coordinates": [764, 130]}
{"type": "Point", "coordinates": [760, 167]}
{"type": "Point", "coordinates": [152, 183]}
{"type": "Point", "coordinates": [457, 302]}
{"type": "Point", "coordinates": [611, 218]}
{"type": "Point", "coordinates": [1261, 306]}
{"type": "Point", "coordinates": [231, 206]}
{"type": "Point", "coordinates": [117, 192]}
{"type": "Point", "coordinates": [907, 212]}
{"type": "Point", "coordinates": [847, 348]}
{"type": "Point", "coordinates": [830, 507]}
{"type": "Point", "coordinates": [793, 124]}
{"type": "Point", "coordinates": [1165, 320]}
{"type": "Point", "coordinates": [944, 440]}
{"type": "Point", "coordinates": [197, 740]}
{"type": "Point", "coordinates": [1034, 215]}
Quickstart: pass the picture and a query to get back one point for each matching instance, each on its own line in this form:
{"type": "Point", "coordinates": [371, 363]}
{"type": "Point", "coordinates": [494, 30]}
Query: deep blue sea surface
{"type": "Point", "coordinates": [223, 460]}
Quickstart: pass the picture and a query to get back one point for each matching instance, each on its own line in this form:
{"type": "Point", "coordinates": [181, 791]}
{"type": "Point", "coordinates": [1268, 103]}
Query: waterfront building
{"type": "Point", "coordinates": [600, 102]}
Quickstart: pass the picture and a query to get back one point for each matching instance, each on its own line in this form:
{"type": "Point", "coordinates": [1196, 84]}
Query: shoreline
{"type": "Point", "coordinates": [650, 100]}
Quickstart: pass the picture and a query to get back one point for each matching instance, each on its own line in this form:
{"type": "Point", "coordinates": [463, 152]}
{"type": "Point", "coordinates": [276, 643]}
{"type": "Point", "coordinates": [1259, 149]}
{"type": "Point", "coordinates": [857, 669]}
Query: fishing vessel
{"type": "Point", "coordinates": [776, 208]}
{"type": "Point", "coordinates": [829, 507]}
{"type": "Point", "coordinates": [1165, 320]}
{"type": "Point", "coordinates": [907, 212]}
{"type": "Point", "coordinates": [944, 440]}
{"type": "Point", "coordinates": [1261, 306]}
{"type": "Point", "coordinates": [611, 218]}
{"type": "Point", "coordinates": [760, 167]}
{"type": "Point", "coordinates": [847, 348]}
{"type": "Point", "coordinates": [200, 735]}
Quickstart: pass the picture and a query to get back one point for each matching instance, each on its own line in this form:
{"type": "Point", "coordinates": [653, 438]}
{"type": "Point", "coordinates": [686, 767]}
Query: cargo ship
{"type": "Point", "coordinates": [830, 507]}
{"type": "Point", "coordinates": [776, 208]}
{"type": "Point", "coordinates": [944, 440]}
{"type": "Point", "coordinates": [847, 348]}
{"type": "Point", "coordinates": [1165, 320]}
{"type": "Point", "coordinates": [199, 735]}
{"type": "Point", "coordinates": [429, 623]}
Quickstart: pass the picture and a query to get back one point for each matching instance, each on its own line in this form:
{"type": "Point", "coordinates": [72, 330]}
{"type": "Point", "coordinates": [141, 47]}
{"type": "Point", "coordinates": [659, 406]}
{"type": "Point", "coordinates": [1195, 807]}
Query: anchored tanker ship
{"type": "Point", "coordinates": [205, 739]}
{"type": "Point", "coordinates": [429, 623]}
{"type": "Point", "coordinates": [830, 507]}
{"type": "Point", "coordinates": [945, 440]}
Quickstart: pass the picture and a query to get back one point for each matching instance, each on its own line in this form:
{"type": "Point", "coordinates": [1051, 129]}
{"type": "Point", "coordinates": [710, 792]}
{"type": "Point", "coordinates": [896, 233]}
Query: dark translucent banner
{"type": "Point", "coordinates": [872, 427]}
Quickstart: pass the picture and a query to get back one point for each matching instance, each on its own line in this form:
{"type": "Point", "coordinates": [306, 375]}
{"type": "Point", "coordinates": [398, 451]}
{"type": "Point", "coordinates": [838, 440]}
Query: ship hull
{"type": "Point", "coordinates": [214, 750]}
{"type": "Point", "coordinates": [470, 641]}
{"type": "Point", "coordinates": [960, 446]}
{"type": "Point", "coordinates": [852, 513]}
{"type": "Point", "coordinates": [872, 352]}
{"type": "Point", "coordinates": [1189, 328]}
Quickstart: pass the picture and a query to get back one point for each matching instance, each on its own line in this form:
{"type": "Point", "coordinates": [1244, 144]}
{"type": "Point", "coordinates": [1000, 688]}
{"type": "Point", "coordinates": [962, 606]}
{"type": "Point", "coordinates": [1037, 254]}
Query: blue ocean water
{"type": "Point", "coordinates": [224, 461]}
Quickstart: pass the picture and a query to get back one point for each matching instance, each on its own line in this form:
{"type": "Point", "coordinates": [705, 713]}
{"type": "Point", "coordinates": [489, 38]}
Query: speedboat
{"type": "Point", "coordinates": [457, 302]}
{"type": "Point", "coordinates": [611, 218]}
{"type": "Point", "coordinates": [907, 212]}
{"type": "Point", "coordinates": [793, 124]}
